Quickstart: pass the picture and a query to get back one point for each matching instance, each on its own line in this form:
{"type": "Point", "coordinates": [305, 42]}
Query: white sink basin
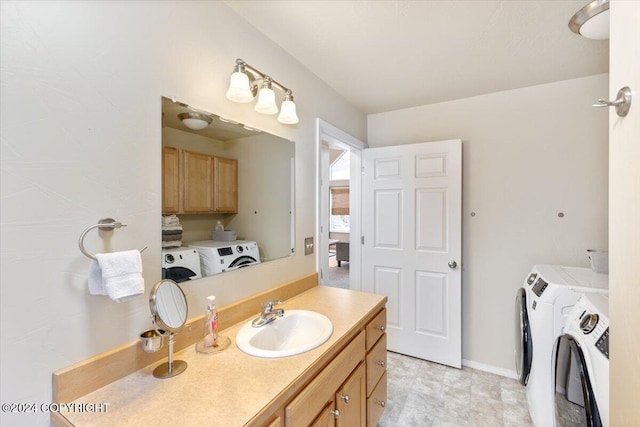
{"type": "Point", "coordinates": [294, 333]}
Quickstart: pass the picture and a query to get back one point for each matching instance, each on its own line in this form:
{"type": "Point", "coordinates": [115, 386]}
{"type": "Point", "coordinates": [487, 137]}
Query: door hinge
{"type": "Point", "coordinates": [362, 239]}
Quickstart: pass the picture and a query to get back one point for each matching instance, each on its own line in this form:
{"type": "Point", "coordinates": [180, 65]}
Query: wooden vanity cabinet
{"type": "Point", "coordinates": [376, 368]}
{"type": "Point", "coordinates": [351, 390]}
{"type": "Point", "coordinates": [310, 405]}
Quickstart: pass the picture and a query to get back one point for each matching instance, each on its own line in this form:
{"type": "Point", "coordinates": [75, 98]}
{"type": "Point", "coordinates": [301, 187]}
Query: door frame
{"type": "Point", "coordinates": [331, 136]}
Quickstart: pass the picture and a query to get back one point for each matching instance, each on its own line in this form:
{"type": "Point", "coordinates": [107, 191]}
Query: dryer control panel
{"type": "Point", "coordinates": [603, 343]}
{"type": "Point", "coordinates": [539, 286]}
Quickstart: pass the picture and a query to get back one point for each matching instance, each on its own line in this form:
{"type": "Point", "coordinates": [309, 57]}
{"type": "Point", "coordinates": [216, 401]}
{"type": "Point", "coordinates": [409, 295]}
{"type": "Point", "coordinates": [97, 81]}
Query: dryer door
{"type": "Point", "coordinates": [575, 402]}
{"type": "Point", "coordinates": [242, 261]}
{"type": "Point", "coordinates": [524, 346]}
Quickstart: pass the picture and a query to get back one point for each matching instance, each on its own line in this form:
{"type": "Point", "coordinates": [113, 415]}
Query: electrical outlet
{"type": "Point", "coordinates": [308, 245]}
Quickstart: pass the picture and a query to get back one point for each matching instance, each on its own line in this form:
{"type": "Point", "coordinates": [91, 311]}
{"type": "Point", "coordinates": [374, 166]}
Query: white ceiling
{"type": "Point", "coordinates": [387, 55]}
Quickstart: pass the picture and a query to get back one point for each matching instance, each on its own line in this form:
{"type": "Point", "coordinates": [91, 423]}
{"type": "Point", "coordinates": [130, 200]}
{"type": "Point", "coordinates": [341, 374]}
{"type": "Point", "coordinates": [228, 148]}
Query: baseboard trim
{"type": "Point", "coordinates": [490, 368]}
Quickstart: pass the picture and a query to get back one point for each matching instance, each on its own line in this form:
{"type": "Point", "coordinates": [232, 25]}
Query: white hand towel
{"type": "Point", "coordinates": [96, 285]}
{"type": "Point", "coordinates": [122, 274]}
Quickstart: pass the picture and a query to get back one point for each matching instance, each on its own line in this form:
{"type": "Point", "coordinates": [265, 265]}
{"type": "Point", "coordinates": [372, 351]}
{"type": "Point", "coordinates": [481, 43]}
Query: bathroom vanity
{"type": "Point", "coordinates": [342, 382]}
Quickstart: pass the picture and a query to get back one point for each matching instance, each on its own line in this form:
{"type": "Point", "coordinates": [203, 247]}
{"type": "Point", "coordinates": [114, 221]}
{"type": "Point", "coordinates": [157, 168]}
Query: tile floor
{"type": "Point", "coordinates": [422, 394]}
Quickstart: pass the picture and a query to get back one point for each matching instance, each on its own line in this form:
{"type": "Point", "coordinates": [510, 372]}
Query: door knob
{"type": "Point", "coordinates": [335, 413]}
{"type": "Point", "coordinates": [345, 397]}
{"type": "Point", "coordinates": [622, 102]}
{"type": "Point", "coordinates": [452, 264]}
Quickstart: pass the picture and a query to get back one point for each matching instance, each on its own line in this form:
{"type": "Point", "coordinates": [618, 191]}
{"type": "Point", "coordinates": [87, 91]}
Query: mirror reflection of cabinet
{"type": "Point", "coordinates": [170, 180]}
{"type": "Point", "coordinates": [198, 183]}
{"type": "Point", "coordinates": [225, 185]}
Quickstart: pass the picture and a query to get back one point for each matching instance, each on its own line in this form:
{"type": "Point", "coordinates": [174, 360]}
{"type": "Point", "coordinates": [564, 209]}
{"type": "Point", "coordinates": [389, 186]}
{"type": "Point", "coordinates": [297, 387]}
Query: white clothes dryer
{"type": "Point", "coordinates": [542, 306]}
{"type": "Point", "coordinates": [218, 256]}
{"type": "Point", "coordinates": [582, 365]}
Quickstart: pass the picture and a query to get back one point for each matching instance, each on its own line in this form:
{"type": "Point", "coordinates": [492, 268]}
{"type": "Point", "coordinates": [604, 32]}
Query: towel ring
{"type": "Point", "coordinates": [105, 224]}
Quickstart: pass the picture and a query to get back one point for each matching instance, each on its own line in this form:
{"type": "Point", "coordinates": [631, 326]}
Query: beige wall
{"type": "Point", "coordinates": [264, 193]}
{"type": "Point", "coordinates": [80, 139]}
{"type": "Point", "coordinates": [528, 154]}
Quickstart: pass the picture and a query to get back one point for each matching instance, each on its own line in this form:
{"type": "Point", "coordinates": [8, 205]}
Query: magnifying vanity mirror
{"type": "Point", "coordinates": [168, 306]}
{"type": "Point", "coordinates": [227, 194]}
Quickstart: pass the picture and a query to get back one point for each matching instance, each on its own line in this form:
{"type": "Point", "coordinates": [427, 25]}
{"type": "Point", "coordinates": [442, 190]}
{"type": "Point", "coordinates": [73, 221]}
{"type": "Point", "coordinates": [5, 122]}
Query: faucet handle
{"type": "Point", "coordinates": [268, 306]}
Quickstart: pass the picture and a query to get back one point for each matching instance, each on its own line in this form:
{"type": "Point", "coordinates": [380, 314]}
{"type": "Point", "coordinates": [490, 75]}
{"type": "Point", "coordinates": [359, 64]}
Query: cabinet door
{"type": "Point", "coordinates": [170, 180]}
{"type": "Point", "coordinates": [306, 406]}
{"type": "Point", "coordinates": [198, 182]}
{"type": "Point", "coordinates": [225, 181]}
{"type": "Point", "coordinates": [351, 400]}
{"type": "Point", "coordinates": [376, 402]}
{"type": "Point", "coordinates": [376, 363]}
{"type": "Point", "coordinates": [326, 418]}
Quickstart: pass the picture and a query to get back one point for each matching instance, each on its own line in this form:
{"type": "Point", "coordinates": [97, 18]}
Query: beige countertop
{"type": "Point", "coordinates": [231, 387]}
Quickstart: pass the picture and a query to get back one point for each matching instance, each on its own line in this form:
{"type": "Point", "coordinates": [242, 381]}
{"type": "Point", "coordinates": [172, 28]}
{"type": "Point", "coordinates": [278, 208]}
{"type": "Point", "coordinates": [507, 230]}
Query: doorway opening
{"type": "Point", "coordinates": [339, 201]}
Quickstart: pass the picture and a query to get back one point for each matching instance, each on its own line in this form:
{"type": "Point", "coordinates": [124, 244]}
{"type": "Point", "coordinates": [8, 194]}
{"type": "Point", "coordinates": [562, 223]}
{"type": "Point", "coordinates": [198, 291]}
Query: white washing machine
{"type": "Point", "coordinates": [180, 264]}
{"type": "Point", "coordinates": [218, 256]}
{"type": "Point", "coordinates": [542, 306]}
{"type": "Point", "coordinates": [582, 360]}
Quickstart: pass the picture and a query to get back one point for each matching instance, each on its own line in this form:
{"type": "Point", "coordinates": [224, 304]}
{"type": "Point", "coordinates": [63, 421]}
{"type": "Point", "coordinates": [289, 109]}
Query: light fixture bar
{"type": "Point", "coordinates": [248, 82]}
{"type": "Point", "coordinates": [259, 75]}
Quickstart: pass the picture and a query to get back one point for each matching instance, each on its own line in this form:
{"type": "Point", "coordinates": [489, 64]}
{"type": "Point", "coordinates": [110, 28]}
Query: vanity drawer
{"type": "Point", "coordinates": [376, 363]}
{"type": "Point", "coordinates": [309, 403]}
{"type": "Point", "coordinates": [376, 402]}
{"type": "Point", "coordinates": [376, 327]}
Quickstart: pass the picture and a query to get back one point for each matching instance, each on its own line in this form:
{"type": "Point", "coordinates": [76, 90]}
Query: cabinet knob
{"type": "Point", "coordinates": [380, 402]}
{"type": "Point", "coordinates": [381, 328]}
{"type": "Point", "coordinates": [335, 413]}
{"type": "Point", "coordinates": [381, 363]}
{"type": "Point", "coordinates": [345, 397]}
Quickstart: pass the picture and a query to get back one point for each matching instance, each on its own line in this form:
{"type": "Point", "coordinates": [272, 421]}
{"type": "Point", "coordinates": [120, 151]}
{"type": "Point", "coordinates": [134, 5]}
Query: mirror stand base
{"type": "Point", "coordinates": [163, 370]}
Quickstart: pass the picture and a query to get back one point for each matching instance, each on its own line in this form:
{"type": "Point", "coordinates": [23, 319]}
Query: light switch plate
{"type": "Point", "coordinates": [308, 245]}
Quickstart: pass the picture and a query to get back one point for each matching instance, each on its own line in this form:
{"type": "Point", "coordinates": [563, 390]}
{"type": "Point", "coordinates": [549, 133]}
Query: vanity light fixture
{"type": "Point", "coordinates": [592, 21]}
{"type": "Point", "coordinates": [243, 87]}
{"type": "Point", "coordinates": [195, 121]}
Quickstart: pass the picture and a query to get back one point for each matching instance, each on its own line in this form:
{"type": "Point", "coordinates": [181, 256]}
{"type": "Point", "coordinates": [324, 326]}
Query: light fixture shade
{"type": "Point", "coordinates": [597, 27]}
{"type": "Point", "coordinates": [592, 21]}
{"type": "Point", "coordinates": [288, 114]}
{"type": "Point", "coordinates": [266, 101]}
{"type": "Point", "coordinates": [239, 89]}
{"type": "Point", "coordinates": [195, 124]}
{"type": "Point", "coordinates": [195, 121]}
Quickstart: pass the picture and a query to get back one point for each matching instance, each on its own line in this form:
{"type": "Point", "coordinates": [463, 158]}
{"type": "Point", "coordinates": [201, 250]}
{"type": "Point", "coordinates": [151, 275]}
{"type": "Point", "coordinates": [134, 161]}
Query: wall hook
{"type": "Point", "coordinates": [622, 102]}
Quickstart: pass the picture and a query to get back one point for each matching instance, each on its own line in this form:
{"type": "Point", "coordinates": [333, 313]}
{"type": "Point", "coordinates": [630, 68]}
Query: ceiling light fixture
{"type": "Point", "coordinates": [592, 21]}
{"type": "Point", "coordinates": [195, 121]}
{"type": "Point", "coordinates": [243, 87]}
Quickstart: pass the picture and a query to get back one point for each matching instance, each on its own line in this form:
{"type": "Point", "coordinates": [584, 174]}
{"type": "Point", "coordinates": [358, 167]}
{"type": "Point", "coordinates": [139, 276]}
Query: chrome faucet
{"type": "Point", "coordinates": [268, 314]}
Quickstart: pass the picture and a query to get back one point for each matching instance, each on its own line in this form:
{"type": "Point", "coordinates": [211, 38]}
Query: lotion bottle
{"type": "Point", "coordinates": [211, 325]}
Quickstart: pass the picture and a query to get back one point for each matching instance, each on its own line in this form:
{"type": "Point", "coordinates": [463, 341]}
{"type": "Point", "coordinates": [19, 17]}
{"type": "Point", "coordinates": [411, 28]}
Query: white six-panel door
{"type": "Point", "coordinates": [412, 203]}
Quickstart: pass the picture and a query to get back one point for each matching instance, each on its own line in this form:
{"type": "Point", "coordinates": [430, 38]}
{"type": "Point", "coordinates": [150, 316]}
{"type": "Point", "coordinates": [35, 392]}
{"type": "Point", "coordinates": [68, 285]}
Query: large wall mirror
{"type": "Point", "coordinates": [227, 194]}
